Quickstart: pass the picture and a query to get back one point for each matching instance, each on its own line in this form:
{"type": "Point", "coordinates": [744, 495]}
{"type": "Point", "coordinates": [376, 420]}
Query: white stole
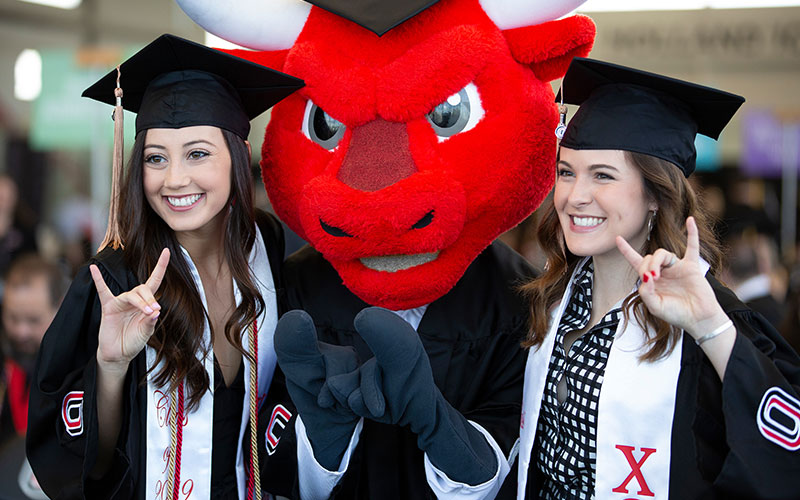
{"type": "Point", "coordinates": [634, 416]}
{"type": "Point", "coordinates": [195, 474]}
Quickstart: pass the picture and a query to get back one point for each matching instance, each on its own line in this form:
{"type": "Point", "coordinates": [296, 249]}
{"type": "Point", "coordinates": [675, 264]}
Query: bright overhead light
{"type": "Point", "coordinates": [61, 4]}
{"type": "Point", "coordinates": [638, 5]}
{"type": "Point", "coordinates": [28, 75]}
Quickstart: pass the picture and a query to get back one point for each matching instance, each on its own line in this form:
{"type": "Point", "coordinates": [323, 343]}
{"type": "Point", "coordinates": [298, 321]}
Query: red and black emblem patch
{"type": "Point", "coordinates": [280, 417]}
{"type": "Point", "coordinates": [72, 413]}
{"type": "Point", "coordinates": [779, 418]}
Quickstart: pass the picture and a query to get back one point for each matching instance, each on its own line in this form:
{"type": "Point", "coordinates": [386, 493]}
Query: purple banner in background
{"type": "Point", "coordinates": [763, 142]}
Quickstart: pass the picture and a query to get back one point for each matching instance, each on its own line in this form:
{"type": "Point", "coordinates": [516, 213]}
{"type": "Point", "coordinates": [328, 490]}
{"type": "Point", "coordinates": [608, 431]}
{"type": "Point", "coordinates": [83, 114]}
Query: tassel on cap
{"type": "Point", "coordinates": [113, 238]}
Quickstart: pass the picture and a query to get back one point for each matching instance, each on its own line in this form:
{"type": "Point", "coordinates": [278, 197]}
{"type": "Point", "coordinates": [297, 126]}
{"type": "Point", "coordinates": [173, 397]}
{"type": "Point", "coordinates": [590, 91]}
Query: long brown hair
{"type": "Point", "coordinates": [178, 336]}
{"type": "Point", "coordinates": [665, 184]}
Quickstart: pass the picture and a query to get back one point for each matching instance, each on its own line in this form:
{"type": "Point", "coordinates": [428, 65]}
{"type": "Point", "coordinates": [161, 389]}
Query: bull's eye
{"type": "Point", "coordinates": [459, 113]}
{"type": "Point", "coordinates": [321, 127]}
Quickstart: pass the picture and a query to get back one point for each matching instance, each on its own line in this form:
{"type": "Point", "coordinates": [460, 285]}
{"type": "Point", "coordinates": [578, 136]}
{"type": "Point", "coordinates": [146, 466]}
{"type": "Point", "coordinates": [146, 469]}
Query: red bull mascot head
{"type": "Point", "coordinates": [425, 128]}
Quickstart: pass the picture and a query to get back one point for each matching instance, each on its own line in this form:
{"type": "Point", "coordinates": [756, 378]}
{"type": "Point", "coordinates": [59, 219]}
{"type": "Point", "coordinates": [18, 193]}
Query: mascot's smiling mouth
{"type": "Point", "coordinates": [389, 263]}
{"type": "Point", "coordinates": [393, 263]}
{"type": "Point", "coordinates": [425, 221]}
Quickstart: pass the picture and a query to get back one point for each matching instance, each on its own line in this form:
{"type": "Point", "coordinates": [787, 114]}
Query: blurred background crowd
{"type": "Point", "coordinates": [55, 149]}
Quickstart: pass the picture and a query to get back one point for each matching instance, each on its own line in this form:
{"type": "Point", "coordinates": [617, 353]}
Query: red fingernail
{"type": "Point", "coordinates": [653, 273]}
{"type": "Point", "coordinates": [645, 278]}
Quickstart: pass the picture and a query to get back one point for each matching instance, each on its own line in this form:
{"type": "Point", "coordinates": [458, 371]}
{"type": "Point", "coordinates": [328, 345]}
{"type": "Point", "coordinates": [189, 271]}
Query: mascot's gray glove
{"type": "Point", "coordinates": [307, 364]}
{"type": "Point", "coordinates": [396, 387]}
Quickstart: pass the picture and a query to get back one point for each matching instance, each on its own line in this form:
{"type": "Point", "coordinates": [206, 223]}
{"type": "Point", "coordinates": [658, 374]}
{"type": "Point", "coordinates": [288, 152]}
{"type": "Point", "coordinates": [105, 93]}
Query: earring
{"type": "Point", "coordinates": [650, 222]}
{"type": "Point", "coordinates": [562, 114]}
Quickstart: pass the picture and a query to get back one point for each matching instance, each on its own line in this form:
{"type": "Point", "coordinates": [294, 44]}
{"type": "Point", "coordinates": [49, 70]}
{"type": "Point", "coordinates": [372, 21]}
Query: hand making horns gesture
{"type": "Point", "coordinates": [676, 290]}
{"type": "Point", "coordinates": [129, 319]}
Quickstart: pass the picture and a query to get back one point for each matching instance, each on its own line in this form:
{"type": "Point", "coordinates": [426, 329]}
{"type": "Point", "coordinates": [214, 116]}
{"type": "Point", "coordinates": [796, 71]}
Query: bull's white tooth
{"type": "Point", "coordinates": [393, 263]}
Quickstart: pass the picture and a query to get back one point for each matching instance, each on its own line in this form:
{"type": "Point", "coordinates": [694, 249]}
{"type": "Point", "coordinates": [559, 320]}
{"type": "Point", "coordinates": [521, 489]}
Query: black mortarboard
{"type": "Point", "coordinates": [378, 16]}
{"type": "Point", "coordinates": [174, 83]}
{"type": "Point", "coordinates": [633, 110]}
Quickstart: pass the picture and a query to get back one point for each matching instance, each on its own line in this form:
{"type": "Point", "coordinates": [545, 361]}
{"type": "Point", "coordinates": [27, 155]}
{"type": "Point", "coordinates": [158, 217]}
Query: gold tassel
{"type": "Point", "coordinates": [113, 237]}
{"type": "Point", "coordinates": [251, 336]}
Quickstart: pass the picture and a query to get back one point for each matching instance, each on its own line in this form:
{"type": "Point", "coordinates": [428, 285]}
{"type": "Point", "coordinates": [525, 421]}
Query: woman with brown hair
{"type": "Point", "coordinates": [646, 377]}
{"type": "Point", "coordinates": [149, 376]}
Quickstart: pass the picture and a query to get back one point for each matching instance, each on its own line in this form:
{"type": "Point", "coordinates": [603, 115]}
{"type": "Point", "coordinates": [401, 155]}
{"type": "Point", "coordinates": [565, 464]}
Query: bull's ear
{"type": "Point", "coordinates": [549, 47]}
{"type": "Point", "coordinates": [274, 59]}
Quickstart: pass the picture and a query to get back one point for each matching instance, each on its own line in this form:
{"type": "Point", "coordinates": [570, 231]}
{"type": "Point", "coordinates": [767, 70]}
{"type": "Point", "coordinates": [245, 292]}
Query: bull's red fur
{"type": "Point", "coordinates": [477, 184]}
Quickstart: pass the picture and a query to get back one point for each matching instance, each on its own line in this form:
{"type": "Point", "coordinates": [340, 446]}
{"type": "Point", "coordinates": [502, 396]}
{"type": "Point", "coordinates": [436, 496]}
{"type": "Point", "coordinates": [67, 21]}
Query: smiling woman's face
{"type": "Point", "coordinates": [598, 196]}
{"type": "Point", "coordinates": [187, 176]}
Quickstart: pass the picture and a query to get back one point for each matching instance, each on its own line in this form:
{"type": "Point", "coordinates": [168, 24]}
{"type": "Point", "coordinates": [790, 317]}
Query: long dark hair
{"type": "Point", "coordinates": [178, 336]}
{"type": "Point", "coordinates": [676, 200]}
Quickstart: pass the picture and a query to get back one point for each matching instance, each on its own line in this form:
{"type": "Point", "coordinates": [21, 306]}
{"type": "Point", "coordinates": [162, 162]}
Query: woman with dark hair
{"type": "Point", "coordinates": [646, 377]}
{"type": "Point", "coordinates": [149, 376]}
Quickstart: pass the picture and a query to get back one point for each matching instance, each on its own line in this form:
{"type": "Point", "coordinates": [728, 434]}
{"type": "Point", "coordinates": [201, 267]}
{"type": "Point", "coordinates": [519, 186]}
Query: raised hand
{"type": "Point", "coordinates": [676, 290]}
{"type": "Point", "coordinates": [128, 319]}
{"type": "Point", "coordinates": [308, 364]}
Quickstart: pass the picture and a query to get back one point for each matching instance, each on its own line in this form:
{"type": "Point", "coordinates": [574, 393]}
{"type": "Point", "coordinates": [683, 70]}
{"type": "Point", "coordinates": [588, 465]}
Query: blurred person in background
{"type": "Point", "coordinates": [33, 292]}
{"type": "Point", "coordinates": [749, 273]}
{"type": "Point", "coordinates": [14, 240]}
{"type": "Point", "coordinates": [748, 206]}
{"type": "Point", "coordinates": [790, 328]}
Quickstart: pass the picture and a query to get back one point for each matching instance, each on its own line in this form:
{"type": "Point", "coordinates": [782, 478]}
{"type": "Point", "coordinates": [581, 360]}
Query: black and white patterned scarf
{"type": "Point", "coordinates": [567, 431]}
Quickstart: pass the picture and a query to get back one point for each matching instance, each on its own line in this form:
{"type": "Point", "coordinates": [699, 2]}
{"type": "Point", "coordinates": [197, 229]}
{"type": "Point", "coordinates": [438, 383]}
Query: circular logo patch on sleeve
{"type": "Point", "coordinates": [277, 422]}
{"type": "Point", "coordinates": [72, 413]}
{"type": "Point", "coordinates": [779, 418]}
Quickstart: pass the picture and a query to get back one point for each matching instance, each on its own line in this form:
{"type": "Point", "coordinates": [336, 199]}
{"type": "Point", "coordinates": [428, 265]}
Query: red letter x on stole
{"type": "Point", "coordinates": [636, 470]}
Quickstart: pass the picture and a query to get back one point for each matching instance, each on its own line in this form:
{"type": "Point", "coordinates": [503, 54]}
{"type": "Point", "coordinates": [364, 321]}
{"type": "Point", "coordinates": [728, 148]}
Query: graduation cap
{"type": "Point", "coordinates": [633, 110]}
{"type": "Point", "coordinates": [378, 16]}
{"type": "Point", "coordinates": [176, 83]}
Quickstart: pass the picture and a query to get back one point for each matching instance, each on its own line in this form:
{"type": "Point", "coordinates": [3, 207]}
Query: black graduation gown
{"type": "Point", "coordinates": [717, 449]}
{"type": "Point", "coordinates": [472, 336]}
{"type": "Point", "coordinates": [67, 363]}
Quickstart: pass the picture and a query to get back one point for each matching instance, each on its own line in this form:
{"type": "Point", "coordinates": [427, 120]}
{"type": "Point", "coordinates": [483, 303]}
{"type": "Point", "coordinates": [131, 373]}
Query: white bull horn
{"type": "Point", "coordinates": [509, 14]}
{"type": "Point", "coordinates": [255, 24]}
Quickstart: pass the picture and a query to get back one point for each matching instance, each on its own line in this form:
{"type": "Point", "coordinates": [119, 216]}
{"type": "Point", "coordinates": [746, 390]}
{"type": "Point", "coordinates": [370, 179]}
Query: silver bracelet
{"type": "Point", "coordinates": [709, 336]}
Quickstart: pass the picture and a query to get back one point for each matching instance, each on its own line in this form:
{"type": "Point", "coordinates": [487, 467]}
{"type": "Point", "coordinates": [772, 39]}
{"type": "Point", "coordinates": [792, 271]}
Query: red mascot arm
{"type": "Point", "coordinates": [548, 48]}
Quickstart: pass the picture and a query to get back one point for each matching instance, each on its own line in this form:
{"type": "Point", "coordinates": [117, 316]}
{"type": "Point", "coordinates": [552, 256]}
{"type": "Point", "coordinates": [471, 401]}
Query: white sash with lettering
{"type": "Point", "coordinates": [634, 416]}
{"type": "Point", "coordinates": [195, 471]}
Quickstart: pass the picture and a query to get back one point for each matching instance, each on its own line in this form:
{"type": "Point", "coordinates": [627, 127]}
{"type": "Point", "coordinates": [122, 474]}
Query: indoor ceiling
{"type": "Point", "coordinates": [755, 52]}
